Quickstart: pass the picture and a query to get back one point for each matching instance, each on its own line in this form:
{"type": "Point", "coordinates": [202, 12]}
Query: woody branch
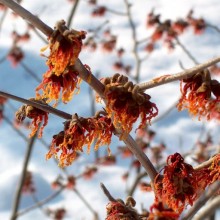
{"type": "Point", "coordinates": [87, 77]}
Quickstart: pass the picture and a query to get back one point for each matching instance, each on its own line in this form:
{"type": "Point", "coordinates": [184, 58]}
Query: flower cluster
{"type": "Point", "coordinates": [89, 172]}
{"type": "Point", "coordinates": [126, 102]}
{"type": "Point", "coordinates": [198, 24]}
{"type": "Point", "coordinates": [106, 160]}
{"type": "Point", "coordinates": [65, 46]}
{"type": "Point", "coordinates": [168, 30]}
{"type": "Point", "coordinates": [57, 214]}
{"type": "Point", "coordinates": [181, 184]}
{"type": "Point", "coordinates": [15, 55]}
{"type": "Point", "coordinates": [80, 132]}
{"type": "Point", "coordinates": [36, 114]}
{"type": "Point", "coordinates": [197, 94]}
{"type": "Point", "coordinates": [119, 210]}
{"type": "Point", "coordinates": [28, 186]}
{"type": "Point", "coordinates": [53, 84]}
{"type": "Point", "coordinates": [99, 11]}
{"type": "Point", "coordinates": [215, 169]}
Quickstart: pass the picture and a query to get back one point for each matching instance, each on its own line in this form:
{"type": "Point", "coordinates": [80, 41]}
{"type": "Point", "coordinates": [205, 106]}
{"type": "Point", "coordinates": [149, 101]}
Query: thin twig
{"type": "Point", "coordinates": [39, 35]}
{"type": "Point", "coordinates": [203, 199]}
{"type": "Point", "coordinates": [213, 27]}
{"type": "Point", "coordinates": [16, 130]}
{"type": "Point", "coordinates": [137, 180]}
{"type": "Point", "coordinates": [86, 203]}
{"type": "Point", "coordinates": [43, 107]}
{"type": "Point", "coordinates": [23, 176]}
{"type": "Point", "coordinates": [28, 70]}
{"type": "Point", "coordinates": [186, 51]}
{"type": "Point", "coordinates": [72, 13]}
{"type": "Point", "coordinates": [107, 193]}
{"type": "Point", "coordinates": [178, 76]}
{"type": "Point", "coordinates": [41, 203]}
{"type": "Point", "coordinates": [144, 40]}
{"type": "Point", "coordinates": [209, 209]}
{"type": "Point", "coordinates": [205, 164]}
{"type": "Point", "coordinates": [116, 12]}
{"type": "Point", "coordinates": [3, 59]}
{"type": "Point", "coordinates": [135, 44]}
{"type": "Point", "coordinates": [165, 113]}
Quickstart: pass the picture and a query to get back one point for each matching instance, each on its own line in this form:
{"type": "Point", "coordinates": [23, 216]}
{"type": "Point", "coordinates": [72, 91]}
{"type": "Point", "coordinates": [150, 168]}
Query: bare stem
{"type": "Point", "coordinates": [41, 203]}
{"type": "Point", "coordinates": [178, 76]}
{"type": "Point", "coordinates": [186, 51]}
{"type": "Point", "coordinates": [116, 12]}
{"type": "Point", "coordinates": [16, 130]}
{"type": "Point", "coordinates": [39, 35]}
{"type": "Point", "coordinates": [137, 180]}
{"type": "Point", "coordinates": [38, 105]}
{"type": "Point", "coordinates": [135, 42]}
{"type": "Point", "coordinates": [213, 27]}
{"type": "Point", "coordinates": [209, 209]}
{"type": "Point", "coordinates": [205, 164]}
{"type": "Point", "coordinates": [72, 13]}
{"type": "Point", "coordinates": [29, 71]}
{"type": "Point", "coordinates": [86, 203]}
{"type": "Point", "coordinates": [23, 175]}
{"type": "Point", "coordinates": [107, 193]}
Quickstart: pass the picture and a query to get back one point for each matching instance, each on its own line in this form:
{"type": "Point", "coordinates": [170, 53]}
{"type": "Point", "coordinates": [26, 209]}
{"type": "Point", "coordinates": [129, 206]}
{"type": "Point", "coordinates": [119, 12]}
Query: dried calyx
{"type": "Point", "coordinates": [126, 102]}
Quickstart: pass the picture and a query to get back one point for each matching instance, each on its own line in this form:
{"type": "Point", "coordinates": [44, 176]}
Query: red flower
{"type": "Point", "coordinates": [109, 45]}
{"type": "Point", "coordinates": [99, 11]}
{"type": "Point", "coordinates": [196, 94]}
{"type": "Point", "coordinates": [152, 19]}
{"type": "Point", "coordinates": [52, 85]}
{"type": "Point", "coordinates": [106, 160]}
{"type": "Point", "coordinates": [57, 214]}
{"type": "Point", "coordinates": [89, 172]}
{"type": "Point", "coordinates": [215, 169]}
{"type": "Point", "coordinates": [145, 187]}
{"type": "Point", "coordinates": [198, 24]}
{"type": "Point", "coordinates": [160, 212]}
{"type": "Point", "coordinates": [71, 182]}
{"type": "Point", "coordinates": [181, 184]}
{"type": "Point", "coordinates": [180, 26]}
{"type": "Point", "coordinates": [118, 210]}
{"type": "Point", "coordinates": [80, 132]}
{"type": "Point", "coordinates": [28, 186]}
{"type": "Point", "coordinates": [36, 114]}
{"type": "Point", "coordinates": [15, 55]}
{"type": "Point", "coordinates": [65, 46]}
{"type": "Point", "coordinates": [126, 103]}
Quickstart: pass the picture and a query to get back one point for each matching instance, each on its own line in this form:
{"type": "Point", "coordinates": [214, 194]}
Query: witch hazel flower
{"type": "Point", "coordinates": [180, 184]}
{"type": "Point", "coordinates": [120, 210]}
{"type": "Point", "coordinates": [79, 132]}
{"type": "Point", "coordinates": [126, 102]}
{"type": "Point", "coordinates": [200, 94]}
{"type": "Point", "coordinates": [65, 46]}
{"type": "Point", "coordinates": [37, 115]}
